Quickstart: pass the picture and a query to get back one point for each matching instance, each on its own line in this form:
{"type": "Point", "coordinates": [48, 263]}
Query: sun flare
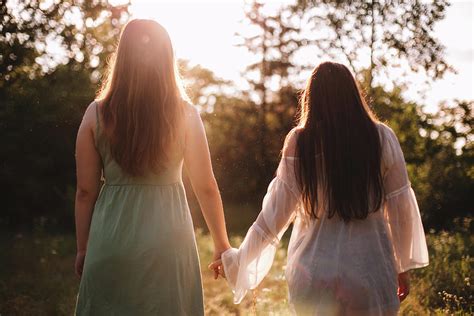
{"type": "Point", "coordinates": [202, 32]}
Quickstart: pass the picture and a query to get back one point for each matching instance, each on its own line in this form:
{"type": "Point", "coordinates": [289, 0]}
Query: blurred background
{"type": "Point", "coordinates": [244, 64]}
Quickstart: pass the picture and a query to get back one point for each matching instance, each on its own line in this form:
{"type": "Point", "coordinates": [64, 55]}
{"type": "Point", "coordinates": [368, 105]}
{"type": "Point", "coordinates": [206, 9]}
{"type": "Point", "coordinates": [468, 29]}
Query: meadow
{"type": "Point", "coordinates": [36, 278]}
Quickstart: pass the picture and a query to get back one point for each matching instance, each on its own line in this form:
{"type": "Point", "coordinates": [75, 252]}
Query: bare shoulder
{"type": "Point", "coordinates": [89, 118]}
{"type": "Point", "coordinates": [190, 109]}
{"type": "Point", "coordinates": [192, 115]}
{"type": "Point", "coordinates": [289, 148]}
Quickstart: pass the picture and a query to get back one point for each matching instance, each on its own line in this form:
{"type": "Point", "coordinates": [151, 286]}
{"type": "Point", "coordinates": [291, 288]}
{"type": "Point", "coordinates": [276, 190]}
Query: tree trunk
{"type": "Point", "coordinates": [263, 110]}
{"type": "Point", "coordinates": [372, 48]}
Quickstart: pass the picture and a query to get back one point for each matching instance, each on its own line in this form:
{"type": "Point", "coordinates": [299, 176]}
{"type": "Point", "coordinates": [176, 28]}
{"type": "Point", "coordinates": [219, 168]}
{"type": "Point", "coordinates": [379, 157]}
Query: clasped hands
{"type": "Point", "coordinates": [218, 268]}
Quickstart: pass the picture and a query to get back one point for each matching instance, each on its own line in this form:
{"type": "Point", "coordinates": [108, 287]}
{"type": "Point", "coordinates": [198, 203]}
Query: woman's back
{"type": "Point", "coordinates": [141, 249]}
{"type": "Point", "coordinates": [169, 173]}
{"type": "Point", "coordinates": [335, 267]}
{"type": "Point", "coordinates": [342, 180]}
{"type": "Point", "coordinates": [136, 246]}
{"type": "Point", "coordinates": [352, 264]}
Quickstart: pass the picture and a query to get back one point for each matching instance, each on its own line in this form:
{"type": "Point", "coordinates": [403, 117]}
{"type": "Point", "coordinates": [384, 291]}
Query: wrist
{"type": "Point", "coordinates": [221, 247]}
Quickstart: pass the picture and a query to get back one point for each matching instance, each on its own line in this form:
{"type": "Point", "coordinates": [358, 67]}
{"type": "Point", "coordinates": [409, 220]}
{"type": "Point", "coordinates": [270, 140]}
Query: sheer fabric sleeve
{"type": "Point", "coordinates": [401, 210]}
{"type": "Point", "coordinates": [246, 267]}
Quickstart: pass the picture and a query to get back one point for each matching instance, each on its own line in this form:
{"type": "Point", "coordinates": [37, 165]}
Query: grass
{"type": "Point", "coordinates": [36, 278]}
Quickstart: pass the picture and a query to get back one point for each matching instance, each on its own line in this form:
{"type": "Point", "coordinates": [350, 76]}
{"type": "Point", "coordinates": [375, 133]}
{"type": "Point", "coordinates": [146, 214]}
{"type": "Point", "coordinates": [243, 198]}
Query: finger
{"type": "Point", "coordinates": [215, 264]}
{"type": "Point", "coordinates": [222, 273]}
{"type": "Point", "coordinates": [402, 296]}
{"type": "Point", "coordinates": [211, 266]}
{"type": "Point", "coordinates": [406, 294]}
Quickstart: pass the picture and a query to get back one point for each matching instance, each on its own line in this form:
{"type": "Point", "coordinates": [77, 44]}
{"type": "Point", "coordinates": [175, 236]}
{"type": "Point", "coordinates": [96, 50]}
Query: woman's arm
{"type": "Point", "coordinates": [197, 162]}
{"type": "Point", "coordinates": [88, 169]}
{"type": "Point", "coordinates": [246, 267]}
{"type": "Point", "coordinates": [402, 215]}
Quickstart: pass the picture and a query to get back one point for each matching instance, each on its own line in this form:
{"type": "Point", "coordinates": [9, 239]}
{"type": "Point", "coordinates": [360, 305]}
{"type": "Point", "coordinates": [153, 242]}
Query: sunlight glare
{"type": "Point", "coordinates": [201, 31]}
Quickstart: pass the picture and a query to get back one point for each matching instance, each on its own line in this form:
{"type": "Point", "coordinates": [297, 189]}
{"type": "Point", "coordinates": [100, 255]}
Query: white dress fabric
{"type": "Point", "coordinates": [335, 268]}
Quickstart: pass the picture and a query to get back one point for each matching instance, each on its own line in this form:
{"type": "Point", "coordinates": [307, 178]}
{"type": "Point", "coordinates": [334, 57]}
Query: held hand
{"type": "Point", "coordinates": [79, 265]}
{"type": "Point", "coordinates": [403, 285]}
{"type": "Point", "coordinates": [218, 251]}
{"type": "Point", "coordinates": [218, 268]}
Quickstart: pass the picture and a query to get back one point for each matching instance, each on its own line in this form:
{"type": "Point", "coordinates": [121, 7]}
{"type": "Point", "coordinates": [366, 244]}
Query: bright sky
{"type": "Point", "coordinates": [204, 33]}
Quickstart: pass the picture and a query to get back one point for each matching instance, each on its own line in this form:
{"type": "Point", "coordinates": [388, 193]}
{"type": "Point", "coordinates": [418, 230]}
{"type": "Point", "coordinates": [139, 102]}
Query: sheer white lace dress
{"type": "Point", "coordinates": [335, 267]}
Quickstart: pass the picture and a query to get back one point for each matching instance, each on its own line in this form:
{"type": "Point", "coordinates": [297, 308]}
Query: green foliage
{"type": "Point", "coordinates": [390, 33]}
{"type": "Point", "coordinates": [37, 275]}
{"type": "Point", "coordinates": [450, 162]}
{"type": "Point", "coordinates": [85, 31]}
{"type": "Point", "coordinates": [439, 154]}
{"type": "Point", "coordinates": [38, 130]}
{"type": "Point", "coordinates": [233, 125]}
{"type": "Point", "coordinates": [42, 101]}
{"type": "Point", "coordinates": [274, 40]}
{"type": "Point", "coordinates": [445, 285]}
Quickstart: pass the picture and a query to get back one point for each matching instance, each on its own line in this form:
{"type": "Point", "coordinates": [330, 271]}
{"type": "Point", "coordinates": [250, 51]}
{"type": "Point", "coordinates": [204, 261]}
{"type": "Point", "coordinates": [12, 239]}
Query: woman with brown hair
{"type": "Point", "coordinates": [136, 249]}
{"type": "Point", "coordinates": [357, 230]}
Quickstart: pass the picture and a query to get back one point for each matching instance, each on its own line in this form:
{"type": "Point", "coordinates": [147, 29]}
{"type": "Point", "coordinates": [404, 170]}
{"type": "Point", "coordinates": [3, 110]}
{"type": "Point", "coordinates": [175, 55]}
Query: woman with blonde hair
{"type": "Point", "coordinates": [136, 249]}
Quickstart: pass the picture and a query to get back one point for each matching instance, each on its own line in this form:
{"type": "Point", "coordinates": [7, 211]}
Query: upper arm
{"type": "Point", "coordinates": [289, 147]}
{"type": "Point", "coordinates": [88, 162]}
{"type": "Point", "coordinates": [283, 194]}
{"type": "Point", "coordinates": [395, 176]}
{"type": "Point", "coordinates": [289, 162]}
{"type": "Point", "coordinates": [197, 158]}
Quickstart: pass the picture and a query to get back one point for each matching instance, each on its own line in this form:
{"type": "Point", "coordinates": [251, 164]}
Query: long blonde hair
{"type": "Point", "coordinates": [142, 98]}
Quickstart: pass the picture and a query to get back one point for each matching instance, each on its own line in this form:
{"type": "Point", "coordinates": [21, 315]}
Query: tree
{"type": "Point", "coordinates": [43, 100]}
{"type": "Point", "coordinates": [274, 39]}
{"type": "Point", "coordinates": [202, 86]}
{"type": "Point", "coordinates": [80, 31]}
{"type": "Point", "coordinates": [393, 34]}
{"type": "Point", "coordinates": [449, 165]}
{"type": "Point", "coordinates": [439, 154]}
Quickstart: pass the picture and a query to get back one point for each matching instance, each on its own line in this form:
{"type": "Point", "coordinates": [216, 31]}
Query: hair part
{"type": "Point", "coordinates": [338, 146]}
{"type": "Point", "coordinates": [142, 98]}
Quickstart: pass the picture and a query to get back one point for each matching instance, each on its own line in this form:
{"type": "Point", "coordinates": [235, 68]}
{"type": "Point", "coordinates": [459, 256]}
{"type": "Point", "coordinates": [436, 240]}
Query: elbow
{"type": "Point", "coordinates": [208, 190]}
{"type": "Point", "coordinates": [85, 195]}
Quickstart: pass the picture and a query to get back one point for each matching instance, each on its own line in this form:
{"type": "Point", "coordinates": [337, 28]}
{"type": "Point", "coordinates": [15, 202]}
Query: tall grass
{"type": "Point", "coordinates": [36, 278]}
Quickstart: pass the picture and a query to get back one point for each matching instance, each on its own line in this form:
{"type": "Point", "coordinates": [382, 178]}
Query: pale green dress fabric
{"type": "Point", "coordinates": [141, 257]}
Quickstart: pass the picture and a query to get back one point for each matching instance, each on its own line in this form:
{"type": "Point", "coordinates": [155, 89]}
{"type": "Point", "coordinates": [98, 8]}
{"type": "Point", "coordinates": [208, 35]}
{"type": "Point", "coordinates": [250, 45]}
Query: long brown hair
{"type": "Point", "coordinates": [142, 100]}
{"type": "Point", "coordinates": [338, 146]}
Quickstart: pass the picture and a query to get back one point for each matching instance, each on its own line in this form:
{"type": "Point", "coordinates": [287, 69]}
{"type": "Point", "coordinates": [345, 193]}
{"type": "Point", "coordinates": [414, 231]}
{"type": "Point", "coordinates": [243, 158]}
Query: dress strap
{"type": "Point", "coordinates": [97, 123]}
{"type": "Point", "coordinates": [97, 115]}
